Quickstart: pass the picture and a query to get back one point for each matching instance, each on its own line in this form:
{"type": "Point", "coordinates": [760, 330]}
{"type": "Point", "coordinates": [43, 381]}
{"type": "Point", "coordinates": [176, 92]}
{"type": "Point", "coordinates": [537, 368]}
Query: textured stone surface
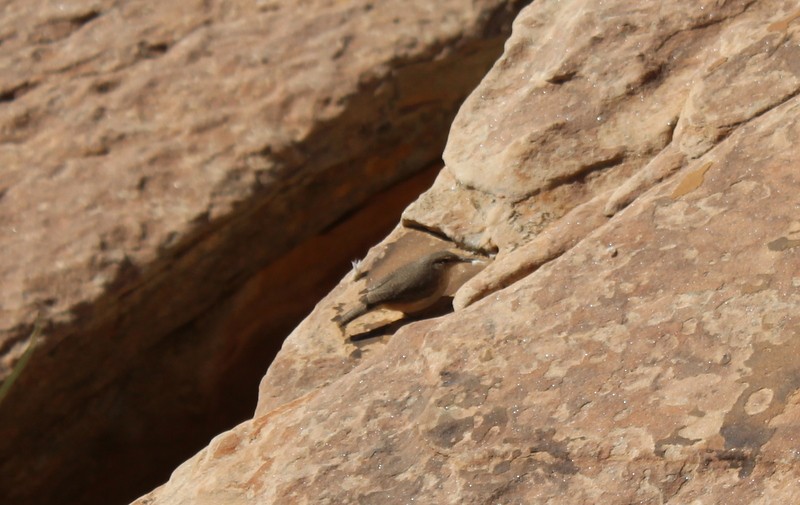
{"type": "Point", "coordinates": [157, 155]}
{"type": "Point", "coordinates": [635, 339]}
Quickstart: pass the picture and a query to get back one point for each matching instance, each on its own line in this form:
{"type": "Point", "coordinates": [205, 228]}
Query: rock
{"type": "Point", "coordinates": [645, 351]}
{"type": "Point", "coordinates": [160, 161]}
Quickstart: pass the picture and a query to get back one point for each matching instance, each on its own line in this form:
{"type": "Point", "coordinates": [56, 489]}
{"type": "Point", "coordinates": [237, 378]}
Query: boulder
{"type": "Point", "coordinates": [171, 171]}
{"type": "Point", "coordinates": [629, 169]}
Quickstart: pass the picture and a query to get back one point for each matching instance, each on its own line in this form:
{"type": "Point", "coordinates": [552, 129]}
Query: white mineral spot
{"type": "Point", "coordinates": [758, 401]}
{"type": "Point", "coordinates": [689, 326]}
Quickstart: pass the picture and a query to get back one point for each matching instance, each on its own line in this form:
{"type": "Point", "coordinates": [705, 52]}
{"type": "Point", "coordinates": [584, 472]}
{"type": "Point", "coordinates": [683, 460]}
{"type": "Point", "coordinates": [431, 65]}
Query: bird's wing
{"type": "Point", "coordinates": [403, 285]}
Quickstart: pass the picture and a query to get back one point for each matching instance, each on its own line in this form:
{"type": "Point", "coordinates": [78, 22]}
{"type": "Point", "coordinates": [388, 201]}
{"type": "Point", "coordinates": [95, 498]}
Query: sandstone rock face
{"type": "Point", "coordinates": [632, 165]}
{"type": "Point", "coordinates": [161, 161]}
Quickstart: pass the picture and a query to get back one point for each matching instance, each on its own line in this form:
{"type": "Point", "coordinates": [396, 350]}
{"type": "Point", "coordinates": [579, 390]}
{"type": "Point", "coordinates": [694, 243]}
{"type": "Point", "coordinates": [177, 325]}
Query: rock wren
{"type": "Point", "coordinates": [411, 288]}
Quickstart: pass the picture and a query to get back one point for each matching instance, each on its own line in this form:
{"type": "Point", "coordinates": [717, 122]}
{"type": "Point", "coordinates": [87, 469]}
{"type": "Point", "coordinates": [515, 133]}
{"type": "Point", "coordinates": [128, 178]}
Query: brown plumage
{"type": "Point", "coordinates": [411, 288]}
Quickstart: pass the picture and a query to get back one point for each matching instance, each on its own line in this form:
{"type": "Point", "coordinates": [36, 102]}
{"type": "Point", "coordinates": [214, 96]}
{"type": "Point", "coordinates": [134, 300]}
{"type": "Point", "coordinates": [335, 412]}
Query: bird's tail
{"type": "Point", "coordinates": [343, 319]}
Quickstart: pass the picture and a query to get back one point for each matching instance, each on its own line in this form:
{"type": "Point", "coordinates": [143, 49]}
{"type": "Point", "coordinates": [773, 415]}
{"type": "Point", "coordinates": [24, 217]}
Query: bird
{"type": "Point", "coordinates": [410, 289]}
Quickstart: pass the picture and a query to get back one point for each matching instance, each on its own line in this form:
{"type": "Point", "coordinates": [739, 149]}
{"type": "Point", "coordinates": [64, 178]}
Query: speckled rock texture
{"type": "Point", "coordinates": [631, 167]}
{"type": "Point", "coordinates": [166, 164]}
